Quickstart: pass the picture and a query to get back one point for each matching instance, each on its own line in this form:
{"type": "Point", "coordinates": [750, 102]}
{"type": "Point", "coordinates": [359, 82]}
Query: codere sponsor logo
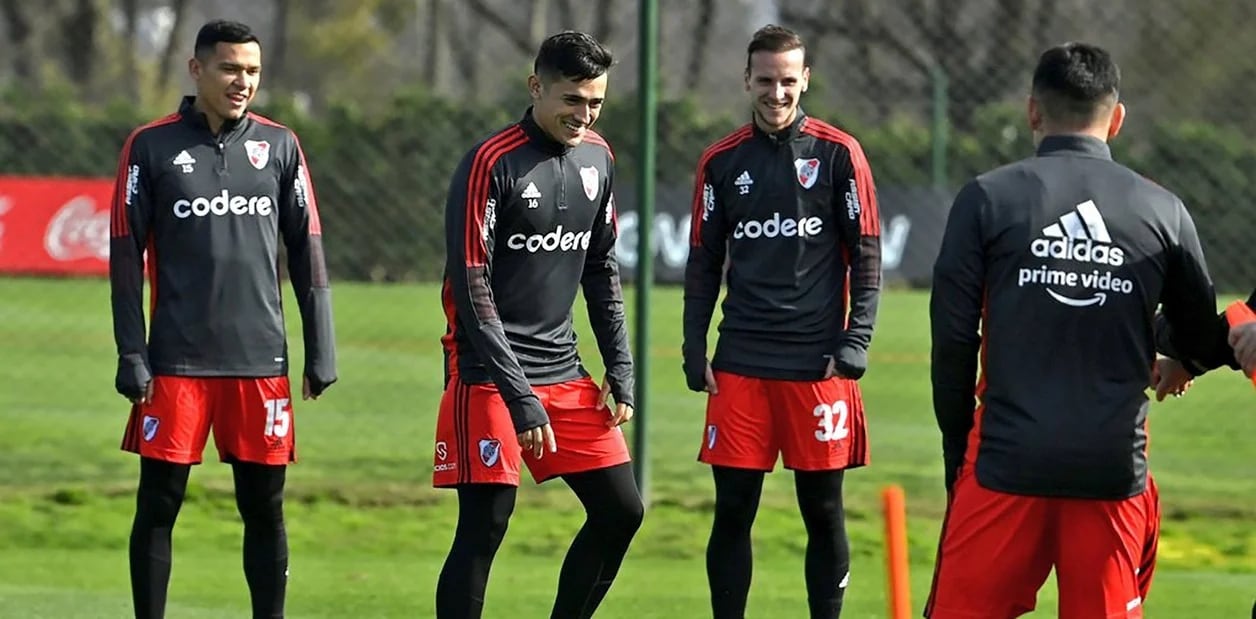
{"type": "Point", "coordinates": [223, 204]}
{"type": "Point", "coordinates": [555, 240]}
{"type": "Point", "coordinates": [1079, 236]}
{"type": "Point", "coordinates": [776, 226]}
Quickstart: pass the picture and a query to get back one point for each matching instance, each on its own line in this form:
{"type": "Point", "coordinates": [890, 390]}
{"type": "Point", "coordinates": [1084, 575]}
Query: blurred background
{"type": "Point", "coordinates": [387, 95]}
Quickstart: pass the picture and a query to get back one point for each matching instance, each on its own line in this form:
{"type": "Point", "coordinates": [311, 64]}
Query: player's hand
{"type": "Point", "coordinates": [146, 397]}
{"type": "Point", "coordinates": [711, 387]}
{"type": "Point", "coordinates": [537, 440]}
{"type": "Point", "coordinates": [307, 393]}
{"type": "Point", "coordinates": [831, 370]}
{"type": "Point", "coordinates": [1243, 340]}
{"type": "Point", "coordinates": [623, 412]}
{"type": "Point", "coordinates": [1168, 376]}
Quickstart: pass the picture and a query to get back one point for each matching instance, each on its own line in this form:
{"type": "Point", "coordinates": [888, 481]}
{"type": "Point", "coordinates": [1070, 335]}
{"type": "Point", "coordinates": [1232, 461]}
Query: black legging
{"type": "Point", "coordinates": [259, 497]}
{"type": "Point", "coordinates": [613, 514]}
{"type": "Point", "coordinates": [730, 557]}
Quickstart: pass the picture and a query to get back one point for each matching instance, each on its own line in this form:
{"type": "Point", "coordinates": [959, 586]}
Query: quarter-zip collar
{"type": "Point", "coordinates": [539, 137]}
{"type": "Point", "coordinates": [230, 126]}
{"type": "Point", "coordinates": [1074, 144]}
{"type": "Point", "coordinates": [781, 136]}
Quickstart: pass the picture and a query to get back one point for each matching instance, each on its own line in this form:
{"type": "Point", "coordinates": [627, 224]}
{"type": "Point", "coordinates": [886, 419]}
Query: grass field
{"type": "Point", "coordinates": [368, 534]}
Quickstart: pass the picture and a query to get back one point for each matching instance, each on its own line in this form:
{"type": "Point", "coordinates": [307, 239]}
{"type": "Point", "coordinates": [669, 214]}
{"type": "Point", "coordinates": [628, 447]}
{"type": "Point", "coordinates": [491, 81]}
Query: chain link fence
{"type": "Point", "coordinates": [387, 96]}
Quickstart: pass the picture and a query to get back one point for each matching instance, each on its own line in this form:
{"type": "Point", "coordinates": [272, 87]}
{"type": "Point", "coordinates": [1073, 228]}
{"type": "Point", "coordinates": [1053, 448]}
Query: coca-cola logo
{"type": "Point", "coordinates": [6, 203]}
{"type": "Point", "coordinates": [78, 231]}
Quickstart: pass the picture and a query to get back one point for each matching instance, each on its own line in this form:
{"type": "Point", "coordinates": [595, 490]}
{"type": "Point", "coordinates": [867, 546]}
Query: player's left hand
{"type": "Point", "coordinates": [307, 393]}
{"type": "Point", "coordinates": [831, 370]}
{"type": "Point", "coordinates": [1168, 376]}
{"type": "Point", "coordinates": [1243, 340]}
{"type": "Point", "coordinates": [623, 412]}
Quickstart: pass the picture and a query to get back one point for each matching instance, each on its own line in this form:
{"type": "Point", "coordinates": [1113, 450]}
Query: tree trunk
{"type": "Point", "coordinates": [432, 40]}
{"type": "Point", "coordinates": [278, 49]}
{"type": "Point", "coordinates": [79, 43]}
{"type": "Point", "coordinates": [604, 22]}
{"type": "Point", "coordinates": [131, 17]}
{"type": "Point", "coordinates": [699, 42]}
{"type": "Point", "coordinates": [172, 42]}
{"type": "Point", "coordinates": [19, 29]}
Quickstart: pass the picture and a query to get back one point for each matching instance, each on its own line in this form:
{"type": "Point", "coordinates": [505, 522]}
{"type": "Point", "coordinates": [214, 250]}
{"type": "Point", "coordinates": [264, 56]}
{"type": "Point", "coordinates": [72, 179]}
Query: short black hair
{"type": "Point", "coordinates": [775, 39]}
{"type": "Point", "coordinates": [1076, 82]}
{"type": "Point", "coordinates": [572, 55]}
{"type": "Point", "coordinates": [222, 31]}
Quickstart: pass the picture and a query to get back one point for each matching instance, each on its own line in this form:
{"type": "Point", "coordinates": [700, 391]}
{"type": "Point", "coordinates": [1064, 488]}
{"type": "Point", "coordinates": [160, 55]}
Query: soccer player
{"type": "Point", "coordinates": [530, 219]}
{"type": "Point", "coordinates": [1048, 277]}
{"type": "Point", "coordinates": [204, 196]}
{"type": "Point", "coordinates": [788, 202]}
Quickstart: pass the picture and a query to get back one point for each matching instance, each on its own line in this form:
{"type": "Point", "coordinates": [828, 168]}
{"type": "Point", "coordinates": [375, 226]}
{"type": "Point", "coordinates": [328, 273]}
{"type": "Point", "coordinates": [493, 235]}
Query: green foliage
{"type": "Point", "coordinates": [382, 176]}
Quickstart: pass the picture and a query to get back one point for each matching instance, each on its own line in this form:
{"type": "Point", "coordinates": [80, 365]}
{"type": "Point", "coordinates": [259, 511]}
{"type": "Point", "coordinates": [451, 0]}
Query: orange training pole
{"type": "Point", "coordinates": [894, 505]}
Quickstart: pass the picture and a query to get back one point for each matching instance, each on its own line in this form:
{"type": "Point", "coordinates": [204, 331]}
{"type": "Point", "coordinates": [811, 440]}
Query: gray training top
{"type": "Point", "coordinates": [205, 214]}
{"type": "Point", "coordinates": [1051, 270]}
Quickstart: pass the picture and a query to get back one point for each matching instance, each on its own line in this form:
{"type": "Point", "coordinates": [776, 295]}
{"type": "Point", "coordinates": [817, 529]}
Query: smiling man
{"type": "Point", "coordinates": [788, 202]}
{"type": "Point", "coordinates": [204, 197]}
{"type": "Point", "coordinates": [530, 220]}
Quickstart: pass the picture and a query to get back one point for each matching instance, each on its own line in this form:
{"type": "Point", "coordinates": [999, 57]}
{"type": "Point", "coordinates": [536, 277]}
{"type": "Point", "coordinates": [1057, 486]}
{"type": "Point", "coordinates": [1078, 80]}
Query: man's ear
{"type": "Point", "coordinates": [535, 87]}
{"type": "Point", "coordinates": [1033, 113]}
{"type": "Point", "coordinates": [1118, 120]}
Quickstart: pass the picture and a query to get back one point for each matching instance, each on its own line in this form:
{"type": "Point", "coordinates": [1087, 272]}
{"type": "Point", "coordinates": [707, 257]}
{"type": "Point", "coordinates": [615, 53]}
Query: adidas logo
{"type": "Point", "coordinates": [1081, 236]}
{"type": "Point", "coordinates": [531, 192]}
{"type": "Point", "coordinates": [184, 161]}
{"type": "Point", "coordinates": [743, 183]}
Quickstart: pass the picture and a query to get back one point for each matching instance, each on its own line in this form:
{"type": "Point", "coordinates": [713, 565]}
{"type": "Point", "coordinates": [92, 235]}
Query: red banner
{"type": "Point", "coordinates": [55, 226]}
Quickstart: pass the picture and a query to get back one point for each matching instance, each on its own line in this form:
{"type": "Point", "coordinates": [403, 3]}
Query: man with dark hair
{"type": "Point", "coordinates": [205, 196]}
{"type": "Point", "coordinates": [530, 219]}
{"type": "Point", "coordinates": [1049, 275]}
{"type": "Point", "coordinates": [788, 202]}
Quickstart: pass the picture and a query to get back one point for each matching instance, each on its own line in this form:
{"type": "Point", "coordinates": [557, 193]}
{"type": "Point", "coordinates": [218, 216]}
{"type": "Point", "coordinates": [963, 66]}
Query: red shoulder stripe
{"type": "Point", "coordinates": [118, 224]}
{"type": "Point", "coordinates": [478, 181]}
{"type": "Point", "coordinates": [869, 213]}
{"type": "Point", "coordinates": [728, 142]}
{"type": "Point", "coordinates": [594, 137]}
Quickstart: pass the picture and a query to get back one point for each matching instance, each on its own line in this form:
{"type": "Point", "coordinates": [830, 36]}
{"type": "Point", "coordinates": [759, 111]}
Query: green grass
{"type": "Point", "coordinates": [368, 533]}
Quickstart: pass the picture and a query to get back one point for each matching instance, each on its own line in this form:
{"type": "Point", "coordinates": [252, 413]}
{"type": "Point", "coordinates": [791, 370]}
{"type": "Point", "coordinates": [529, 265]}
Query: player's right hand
{"type": "Point", "coordinates": [1169, 376]}
{"type": "Point", "coordinates": [711, 387]}
{"type": "Point", "coordinates": [537, 440]}
{"type": "Point", "coordinates": [146, 397]}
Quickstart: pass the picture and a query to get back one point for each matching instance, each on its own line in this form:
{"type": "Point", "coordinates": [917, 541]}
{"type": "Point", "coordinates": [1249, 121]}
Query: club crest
{"type": "Point", "coordinates": [490, 451]}
{"type": "Point", "coordinates": [589, 176]}
{"type": "Point", "coordinates": [258, 152]}
{"type": "Point", "coordinates": [150, 427]}
{"type": "Point", "coordinates": [808, 171]}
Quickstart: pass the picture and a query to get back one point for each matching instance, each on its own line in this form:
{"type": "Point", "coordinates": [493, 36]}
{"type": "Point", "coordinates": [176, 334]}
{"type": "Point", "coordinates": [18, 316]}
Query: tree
{"type": "Point", "coordinates": [19, 28]}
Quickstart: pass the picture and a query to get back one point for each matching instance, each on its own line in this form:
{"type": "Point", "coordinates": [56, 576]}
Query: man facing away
{"type": "Point", "coordinates": [531, 219]}
{"type": "Point", "coordinates": [1049, 276]}
{"type": "Point", "coordinates": [788, 202]}
{"type": "Point", "coordinates": [204, 197]}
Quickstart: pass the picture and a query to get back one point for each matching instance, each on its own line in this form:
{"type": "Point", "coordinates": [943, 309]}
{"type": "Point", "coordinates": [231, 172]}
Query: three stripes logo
{"type": "Point", "coordinates": [1079, 236]}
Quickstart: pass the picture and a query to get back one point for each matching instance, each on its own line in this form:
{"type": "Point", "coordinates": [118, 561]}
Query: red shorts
{"type": "Point", "coordinates": [476, 441]}
{"type": "Point", "coordinates": [997, 550]}
{"type": "Point", "coordinates": [251, 419]}
{"type": "Point", "coordinates": [813, 425]}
